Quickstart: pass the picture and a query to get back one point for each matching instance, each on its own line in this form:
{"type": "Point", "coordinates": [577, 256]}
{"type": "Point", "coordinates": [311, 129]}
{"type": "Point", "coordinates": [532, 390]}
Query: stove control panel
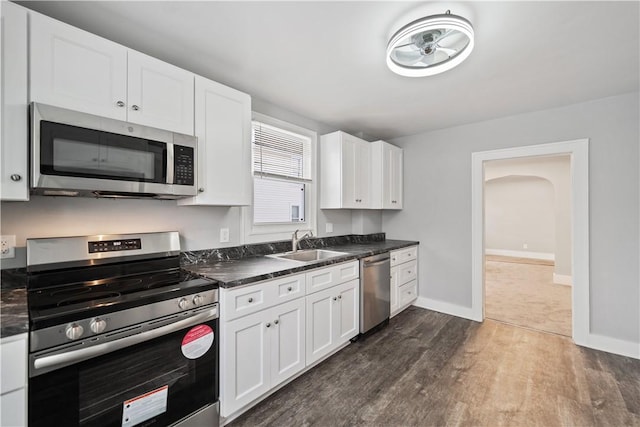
{"type": "Point", "coordinates": [91, 329]}
{"type": "Point", "coordinates": [114, 245]}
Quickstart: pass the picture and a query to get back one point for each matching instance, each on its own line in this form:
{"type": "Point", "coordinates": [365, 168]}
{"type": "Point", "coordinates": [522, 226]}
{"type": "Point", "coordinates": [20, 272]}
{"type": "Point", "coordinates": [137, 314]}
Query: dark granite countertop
{"type": "Point", "coordinates": [14, 317]}
{"type": "Point", "coordinates": [238, 272]}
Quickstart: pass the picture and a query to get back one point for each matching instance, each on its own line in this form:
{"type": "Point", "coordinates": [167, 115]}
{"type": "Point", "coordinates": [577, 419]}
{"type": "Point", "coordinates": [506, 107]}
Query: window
{"type": "Point", "coordinates": [283, 180]}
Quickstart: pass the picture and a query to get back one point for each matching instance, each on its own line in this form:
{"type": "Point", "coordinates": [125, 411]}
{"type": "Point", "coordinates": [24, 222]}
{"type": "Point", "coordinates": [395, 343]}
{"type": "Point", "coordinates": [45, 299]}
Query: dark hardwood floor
{"type": "Point", "coordinates": [431, 369]}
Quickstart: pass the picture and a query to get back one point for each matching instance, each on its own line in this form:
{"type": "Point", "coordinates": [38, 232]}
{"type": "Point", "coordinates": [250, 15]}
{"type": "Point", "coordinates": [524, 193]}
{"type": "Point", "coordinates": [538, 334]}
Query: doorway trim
{"type": "Point", "coordinates": [579, 151]}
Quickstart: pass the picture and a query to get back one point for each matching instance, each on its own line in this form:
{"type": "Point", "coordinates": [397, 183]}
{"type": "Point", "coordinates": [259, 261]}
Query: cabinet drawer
{"type": "Point", "coordinates": [239, 302]}
{"type": "Point", "coordinates": [14, 363]}
{"type": "Point", "coordinates": [404, 255]}
{"type": "Point", "coordinates": [289, 288]}
{"type": "Point", "coordinates": [407, 293]}
{"type": "Point", "coordinates": [407, 272]}
{"type": "Point", "coordinates": [324, 278]}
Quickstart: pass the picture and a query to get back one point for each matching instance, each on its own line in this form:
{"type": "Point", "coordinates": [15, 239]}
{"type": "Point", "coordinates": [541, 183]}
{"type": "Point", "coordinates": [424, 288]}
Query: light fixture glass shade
{"type": "Point", "coordinates": [430, 45]}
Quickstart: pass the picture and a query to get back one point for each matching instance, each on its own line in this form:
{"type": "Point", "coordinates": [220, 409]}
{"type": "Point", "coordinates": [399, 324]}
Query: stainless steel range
{"type": "Point", "coordinates": [120, 335]}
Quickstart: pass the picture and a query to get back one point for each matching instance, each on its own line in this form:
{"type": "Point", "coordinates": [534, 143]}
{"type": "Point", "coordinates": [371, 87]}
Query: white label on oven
{"type": "Point", "coordinates": [197, 342]}
{"type": "Point", "coordinates": [144, 407]}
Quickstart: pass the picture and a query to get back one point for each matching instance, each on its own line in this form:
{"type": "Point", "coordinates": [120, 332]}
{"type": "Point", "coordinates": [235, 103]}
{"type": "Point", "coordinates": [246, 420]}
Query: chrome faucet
{"type": "Point", "coordinates": [295, 240]}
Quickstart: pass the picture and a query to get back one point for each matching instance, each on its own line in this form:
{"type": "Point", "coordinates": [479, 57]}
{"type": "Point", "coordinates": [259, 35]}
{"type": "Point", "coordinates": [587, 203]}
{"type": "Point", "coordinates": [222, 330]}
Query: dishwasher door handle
{"type": "Point", "coordinates": [372, 264]}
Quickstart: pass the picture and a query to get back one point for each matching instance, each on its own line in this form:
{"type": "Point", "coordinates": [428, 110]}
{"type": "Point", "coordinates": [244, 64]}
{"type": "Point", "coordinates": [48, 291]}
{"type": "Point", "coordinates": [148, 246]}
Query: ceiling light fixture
{"type": "Point", "coordinates": [430, 45]}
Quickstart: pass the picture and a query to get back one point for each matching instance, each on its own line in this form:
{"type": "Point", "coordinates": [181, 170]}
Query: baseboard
{"type": "Point", "coordinates": [521, 254]}
{"type": "Point", "coordinates": [445, 307]}
{"type": "Point", "coordinates": [562, 279]}
{"type": "Point", "coordinates": [612, 345]}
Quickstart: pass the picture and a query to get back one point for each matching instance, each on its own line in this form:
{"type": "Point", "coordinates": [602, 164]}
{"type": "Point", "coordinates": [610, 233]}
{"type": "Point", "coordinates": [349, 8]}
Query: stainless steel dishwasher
{"type": "Point", "coordinates": [375, 284]}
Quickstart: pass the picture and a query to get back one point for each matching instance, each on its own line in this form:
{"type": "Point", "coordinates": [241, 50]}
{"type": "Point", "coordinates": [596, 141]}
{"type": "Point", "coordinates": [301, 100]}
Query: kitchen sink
{"type": "Point", "coordinates": [309, 255]}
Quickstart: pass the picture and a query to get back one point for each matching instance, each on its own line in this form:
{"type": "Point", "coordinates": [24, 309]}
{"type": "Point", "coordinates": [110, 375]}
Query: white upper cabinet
{"type": "Point", "coordinates": [345, 172]}
{"type": "Point", "coordinates": [387, 171]}
{"type": "Point", "coordinates": [160, 94]}
{"type": "Point", "coordinates": [75, 69]}
{"type": "Point", "coordinates": [14, 137]}
{"type": "Point", "coordinates": [223, 128]}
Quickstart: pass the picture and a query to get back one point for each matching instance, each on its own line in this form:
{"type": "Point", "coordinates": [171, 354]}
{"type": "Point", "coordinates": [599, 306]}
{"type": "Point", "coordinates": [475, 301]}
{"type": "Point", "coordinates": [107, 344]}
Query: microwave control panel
{"type": "Point", "coordinates": [183, 165]}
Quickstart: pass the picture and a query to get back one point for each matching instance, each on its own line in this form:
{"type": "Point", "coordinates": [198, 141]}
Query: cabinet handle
{"type": "Point", "coordinates": [268, 325]}
{"type": "Point", "coordinates": [275, 321]}
{"type": "Point", "coordinates": [250, 299]}
{"type": "Point", "coordinates": [200, 190]}
{"type": "Point", "coordinates": [120, 104]}
{"type": "Point", "coordinates": [335, 298]}
{"type": "Point", "coordinates": [409, 271]}
{"type": "Point", "coordinates": [135, 107]}
{"type": "Point", "coordinates": [289, 288]}
{"type": "Point", "coordinates": [16, 177]}
{"type": "Point", "coordinates": [339, 296]}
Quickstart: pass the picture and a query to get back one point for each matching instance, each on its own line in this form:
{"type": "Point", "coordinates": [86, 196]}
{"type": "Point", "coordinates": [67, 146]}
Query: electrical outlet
{"type": "Point", "coordinates": [8, 246]}
{"type": "Point", "coordinates": [224, 235]}
{"type": "Point", "coordinates": [525, 246]}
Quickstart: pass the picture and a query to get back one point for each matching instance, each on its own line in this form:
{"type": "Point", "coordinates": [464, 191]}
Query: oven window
{"type": "Point", "coordinates": [95, 392]}
{"type": "Point", "coordinates": [73, 151]}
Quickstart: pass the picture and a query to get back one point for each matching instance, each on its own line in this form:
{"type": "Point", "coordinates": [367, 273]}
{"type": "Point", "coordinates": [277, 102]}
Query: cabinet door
{"type": "Point", "coordinates": [74, 69]}
{"type": "Point", "coordinates": [321, 318]}
{"type": "Point", "coordinates": [349, 175]}
{"type": "Point", "coordinates": [245, 367]}
{"type": "Point", "coordinates": [14, 139]}
{"type": "Point", "coordinates": [288, 340]}
{"type": "Point", "coordinates": [362, 168]}
{"type": "Point", "coordinates": [223, 128]}
{"type": "Point", "coordinates": [391, 177]}
{"type": "Point", "coordinates": [159, 94]}
{"type": "Point", "coordinates": [13, 408]}
{"type": "Point", "coordinates": [348, 322]}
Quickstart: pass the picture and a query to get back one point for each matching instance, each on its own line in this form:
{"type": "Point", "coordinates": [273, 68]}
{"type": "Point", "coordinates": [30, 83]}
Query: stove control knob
{"type": "Point", "coordinates": [197, 300]}
{"type": "Point", "coordinates": [183, 303]}
{"type": "Point", "coordinates": [97, 325]}
{"type": "Point", "coordinates": [73, 331]}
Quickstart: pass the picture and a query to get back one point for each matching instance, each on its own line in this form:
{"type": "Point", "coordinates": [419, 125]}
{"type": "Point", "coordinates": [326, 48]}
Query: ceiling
{"type": "Point", "coordinates": [326, 60]}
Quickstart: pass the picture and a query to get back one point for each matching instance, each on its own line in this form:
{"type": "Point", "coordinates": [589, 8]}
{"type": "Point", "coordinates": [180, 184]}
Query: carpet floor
{"type": "Point", "coordinates": [522, 293]}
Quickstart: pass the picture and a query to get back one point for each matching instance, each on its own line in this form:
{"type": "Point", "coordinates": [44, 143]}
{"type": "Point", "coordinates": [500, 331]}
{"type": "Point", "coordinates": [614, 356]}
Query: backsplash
{"type": "Point", "coordinates": [244, 251]}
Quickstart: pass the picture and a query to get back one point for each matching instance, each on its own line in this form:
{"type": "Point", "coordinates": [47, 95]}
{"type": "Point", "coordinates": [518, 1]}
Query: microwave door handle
{"type": "Point", "coordinates": [170, 164]}
{"type": "Point", "coordinates": [68, 358]}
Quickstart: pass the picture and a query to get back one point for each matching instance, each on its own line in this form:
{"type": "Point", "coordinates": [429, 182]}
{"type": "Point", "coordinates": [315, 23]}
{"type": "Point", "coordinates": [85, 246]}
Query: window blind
{"type": "Point", "coordinates": [280, 153]}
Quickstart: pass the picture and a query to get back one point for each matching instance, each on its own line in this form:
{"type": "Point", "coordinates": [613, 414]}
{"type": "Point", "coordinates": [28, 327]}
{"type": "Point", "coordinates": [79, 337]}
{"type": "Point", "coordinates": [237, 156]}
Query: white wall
{"type": "Point", "coordinates": [438, 202]}
{"type": "Point", "coordinates": [557, 170]}
{"type": "Point", "coordinates": [520, 210]}
{"type": "Point", "coordinates": [199, 226]}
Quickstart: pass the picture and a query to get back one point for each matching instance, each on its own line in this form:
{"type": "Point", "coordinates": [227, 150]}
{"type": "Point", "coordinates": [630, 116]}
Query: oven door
{"type": "Point", "coordinates": [168, 380]}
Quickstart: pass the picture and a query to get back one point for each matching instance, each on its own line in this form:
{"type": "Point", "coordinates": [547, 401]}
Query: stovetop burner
{"type": "Point", "coordinates": [66, 303]}
{"type": "Point", "coordinates": [95, 290]}
{"type": "Point", "coordinates": [93, 297]}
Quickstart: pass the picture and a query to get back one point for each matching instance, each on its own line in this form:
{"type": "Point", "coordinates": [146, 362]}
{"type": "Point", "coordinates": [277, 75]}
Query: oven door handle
{"type": "Point", "coordinates": [64, 359]}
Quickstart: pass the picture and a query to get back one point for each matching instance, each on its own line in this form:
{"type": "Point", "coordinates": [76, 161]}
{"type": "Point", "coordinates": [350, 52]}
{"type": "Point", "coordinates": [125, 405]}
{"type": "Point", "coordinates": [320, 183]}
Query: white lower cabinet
{"type": "Point", "coordinates": [273, 330]}
{"type": "Point", "coordinates": [13, 394]}
{"type": "Point", "coordinates": [332, 319]}
{"type": "Point", "coordinates": [260, 351]}
{"type": "Point", "coordinates": [404, 278]}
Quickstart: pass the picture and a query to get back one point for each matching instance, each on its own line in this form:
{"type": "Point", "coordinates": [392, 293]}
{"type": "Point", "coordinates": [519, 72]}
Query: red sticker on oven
{"type": "Point", "coordinates": [197, 341]}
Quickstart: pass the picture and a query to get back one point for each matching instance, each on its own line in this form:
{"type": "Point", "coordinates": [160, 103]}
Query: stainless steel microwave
{"type": "Point", "coordinates": [79, 154]}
